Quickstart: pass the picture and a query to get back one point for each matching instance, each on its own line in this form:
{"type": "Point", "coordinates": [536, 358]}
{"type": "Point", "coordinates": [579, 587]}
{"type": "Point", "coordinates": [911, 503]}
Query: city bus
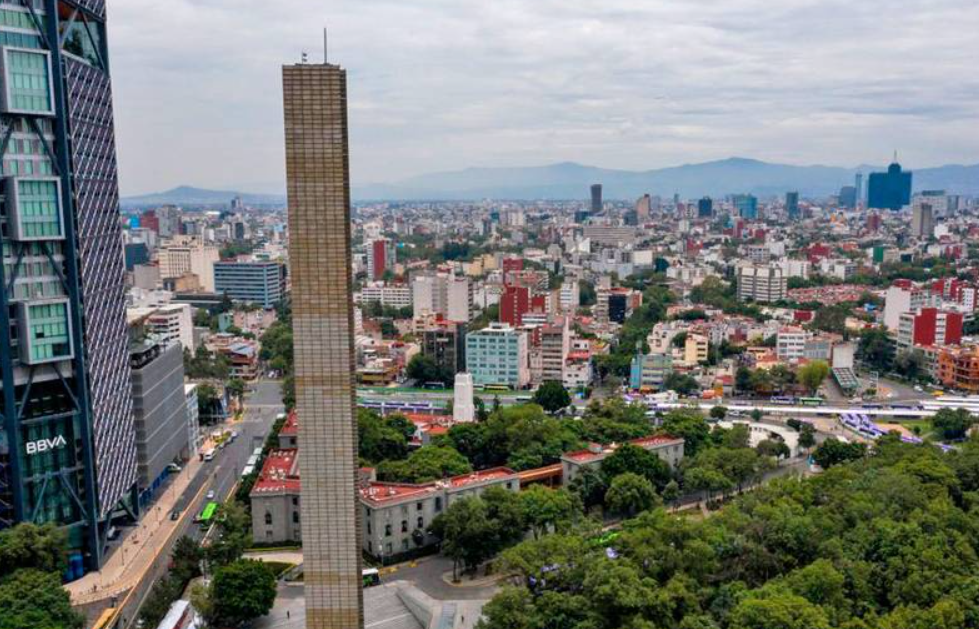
{"type": "Point", "coordinates": [811, 401]}
{"type": "Point", "coordinates": [371, 577]}
{"type": "Point", "coordinates": [207, 515]}
{"type": "Point", "coordinates": [106, 620]}
{"type": "Point", "coordinates": [500, 388]}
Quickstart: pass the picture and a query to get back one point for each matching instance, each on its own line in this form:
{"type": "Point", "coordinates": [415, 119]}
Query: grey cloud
{"type": "Point", "coordinates": [437, 84]}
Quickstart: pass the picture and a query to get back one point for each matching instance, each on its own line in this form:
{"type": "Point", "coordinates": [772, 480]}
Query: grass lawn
{"type": "Point", "coordinates": [924, 426]}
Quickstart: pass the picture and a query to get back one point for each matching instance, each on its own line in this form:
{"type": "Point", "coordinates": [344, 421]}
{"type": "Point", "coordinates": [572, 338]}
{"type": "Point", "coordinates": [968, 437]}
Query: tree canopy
{"type": "Point", "coordinates": [552, 396]}
{"type": "Point", "coordinates": [886, 541]}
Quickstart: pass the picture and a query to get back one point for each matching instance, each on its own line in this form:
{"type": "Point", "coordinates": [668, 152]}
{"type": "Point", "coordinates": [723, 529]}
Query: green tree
{"type": "Point", "coordinates": [876, 349]}
{"type": "Point", "coordinates": [235, 387]}
{"type": "Point", "coordinates": [545, 508]}
{"type": "Point", "coordinates": [785, 611]}
{"type": "Point", "coordinates": [910, 364]}
{"type": "Point", "coordinates": [422, 369]}
{"type": "Point", "coordinates": [691, 426]}
{"type": "Point", "coordinates": [587, 296]}
{"type": "Point", "coordinates": [464, 529]}
{"type": "Point", "coordinates": [589, 485]}
{"type": "Point", "coordinates": [742, 380]}
{"type": "Point", "coordinates": [671, 493]}
{"type": "Point", "coordinates": [240, 592]}
{"type": "Point", "coordinates": [232, 535]}
{"type": "Point", "coordinates": [41, 547]}
{"type": "Point", "coordinates": [186, 555]}
{"type": "Point", "coordinates": [952, 424]}
{"type": "Point", "coordinates": [630, 494]}
{"type": "Point", "coordinates": [831, 318]}
{"type": "Point", "coordinates": [813, 374]}
{"type": "Point", "coordinates": [552, 396]}
{"type": "Point", "coordinates": [833, 452]}
{"type": "Point", "coordinates": [629, 458]}
{"type": "Point", "coordinates": [35, 599]}
{"type": "Point", "coordinates": [379, 438]}
{"type": "Point", "coordinates": [718, 413]}
{"type": "Point", "coordinates": [425, 464]}
{"type": "Point", "coordinates": [683, 384]}
{"type": "Point", "coordinates": [774, 448]}
{"type": "Point", "coordinates": [807, 436]}
{"type": "Point", "coordinates": [505, 512]}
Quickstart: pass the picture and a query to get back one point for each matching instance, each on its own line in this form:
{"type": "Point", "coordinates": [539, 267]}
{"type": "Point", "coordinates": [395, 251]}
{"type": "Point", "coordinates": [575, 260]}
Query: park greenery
{"type": "Point", "coordinates": [631, 480]}
{"type": "Point", "coordinates": [552, 396]}
{"type": "Point", "coordinates": [886, 540]}
{"type": "Point", "coordinates": [423, 370]}
{"type": "Point", "coordinates": [32, 560]}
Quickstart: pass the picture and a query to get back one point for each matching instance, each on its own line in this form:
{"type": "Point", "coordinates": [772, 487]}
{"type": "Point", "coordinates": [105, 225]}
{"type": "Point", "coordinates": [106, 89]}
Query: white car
{"type": "Point", "coordinates": [210, 495]}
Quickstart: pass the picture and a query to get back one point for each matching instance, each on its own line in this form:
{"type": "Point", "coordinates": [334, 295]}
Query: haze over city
{"type": "Point", "coordinates": [441, 85]}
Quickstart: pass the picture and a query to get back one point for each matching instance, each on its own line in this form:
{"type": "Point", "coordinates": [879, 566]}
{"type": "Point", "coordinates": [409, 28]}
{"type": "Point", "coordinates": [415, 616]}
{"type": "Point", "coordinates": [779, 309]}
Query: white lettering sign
{"type": "Point", "coordinates": [44, 445]}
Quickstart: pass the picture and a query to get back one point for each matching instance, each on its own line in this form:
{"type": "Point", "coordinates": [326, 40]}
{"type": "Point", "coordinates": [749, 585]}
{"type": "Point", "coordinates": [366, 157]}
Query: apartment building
{"type": "Point", "coordinates": [498, 356]}
{"type": "Point", "coordinates": [764, 284]}
{"type": "Point", "coordinates": [393, 295]}
{"type": "Point", "coordinates": [183, 255]}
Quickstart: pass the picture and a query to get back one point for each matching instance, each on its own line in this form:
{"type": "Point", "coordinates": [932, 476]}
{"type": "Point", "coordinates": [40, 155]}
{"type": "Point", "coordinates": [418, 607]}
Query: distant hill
{"type": "Point", "coordinates": [569, 180]}
{"type": "Point", "coordinates": [187, 195]}
{"type": "Point", "coordinates": [718, 178]}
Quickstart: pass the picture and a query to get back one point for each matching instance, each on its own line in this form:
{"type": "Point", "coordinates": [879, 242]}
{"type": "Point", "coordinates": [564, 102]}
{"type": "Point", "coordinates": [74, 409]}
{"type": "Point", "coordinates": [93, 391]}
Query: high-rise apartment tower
{"type": "Point", "coordinates": [68, 452]}
{"type": "Point", "coordinates": [318, 183]}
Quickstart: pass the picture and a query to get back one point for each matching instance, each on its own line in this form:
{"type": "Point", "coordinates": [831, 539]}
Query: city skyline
{"type": "Point", "coordinates": [629, 86]}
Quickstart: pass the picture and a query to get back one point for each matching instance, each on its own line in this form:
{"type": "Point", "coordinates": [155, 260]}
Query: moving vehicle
{"type": "Point", "coordinates": [175, 515]}
{"type": "Point", "coordinates": [207, 514]}
{"type": "Point", "coordinates": [371, 577]}
{"type": "Point", "coordinates": [210, 494]}
{"type": "Point", "coordinates": [209, 454]}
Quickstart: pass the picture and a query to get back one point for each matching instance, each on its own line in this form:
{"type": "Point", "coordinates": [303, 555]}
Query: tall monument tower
{"type": "Point", "coordinates": [318, 179]}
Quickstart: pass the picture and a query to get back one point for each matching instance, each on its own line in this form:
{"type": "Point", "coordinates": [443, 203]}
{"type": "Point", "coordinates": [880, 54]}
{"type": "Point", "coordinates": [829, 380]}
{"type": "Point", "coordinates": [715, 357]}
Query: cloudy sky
{"type": "Point", "coordinates": [445, 84]}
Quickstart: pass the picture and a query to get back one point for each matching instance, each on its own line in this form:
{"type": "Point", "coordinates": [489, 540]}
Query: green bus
{"type": "Point", "coordinates": [371, 577]}
{"type": "Point", "coordinates": [811, 401]}
{"type": "Point", "coordinates": [207, 515]}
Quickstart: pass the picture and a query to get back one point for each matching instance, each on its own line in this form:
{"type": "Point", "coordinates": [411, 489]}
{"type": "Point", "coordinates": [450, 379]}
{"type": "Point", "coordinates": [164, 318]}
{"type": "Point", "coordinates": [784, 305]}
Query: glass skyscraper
{"type": "Point", "coordinates": [890, 190]}
{"type": "Point", "coordinates": [67, 452]}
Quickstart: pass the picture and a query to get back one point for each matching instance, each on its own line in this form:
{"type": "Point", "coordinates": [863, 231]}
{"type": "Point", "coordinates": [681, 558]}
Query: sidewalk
{"type": "Point", "coordinates": [139, 548]}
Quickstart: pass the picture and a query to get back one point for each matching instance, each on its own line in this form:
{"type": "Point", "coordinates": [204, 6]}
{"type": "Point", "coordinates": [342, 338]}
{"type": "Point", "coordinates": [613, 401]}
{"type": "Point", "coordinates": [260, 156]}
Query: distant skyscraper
{"type": "Point", "coordinates": [644, 207]}
{"type": "Point", "coordinates": [318, 181]}
{"type": "Point", "coordinates": [596, 198]}
{"type": "Point", "coordinates": [890, 190]}
{"type": "Point", "coordinates": [792, 204]}
{"type": "Point", "coordinates": [747, 206]}
{"type": "Point", "coordinates": [923, 221]}
{"type": "Point", "coordinates": [67, 438]}
{"type": "Point", "coordinates": [705, 208]}
{"type": "Point", "coordinates": [848, 197]}
{"type": "Point", "coordinates": [858, 184]}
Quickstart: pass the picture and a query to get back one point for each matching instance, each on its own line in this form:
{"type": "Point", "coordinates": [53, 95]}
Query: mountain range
{"type": "Point", "coordinates": [188, 195]}
{"type": "Point", "coordinates": [570, 180]}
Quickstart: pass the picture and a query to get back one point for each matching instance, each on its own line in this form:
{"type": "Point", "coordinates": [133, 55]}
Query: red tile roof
{"type": "Point", "coordinates": [496, 473]}
{"type": "Point", "coordinates": [280, 472]}
{"type": "Point", "coordinates": [291, 425]}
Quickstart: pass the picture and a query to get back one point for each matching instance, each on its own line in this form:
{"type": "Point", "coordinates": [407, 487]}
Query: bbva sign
{"type": "Point", "coordinates": [44, 445]}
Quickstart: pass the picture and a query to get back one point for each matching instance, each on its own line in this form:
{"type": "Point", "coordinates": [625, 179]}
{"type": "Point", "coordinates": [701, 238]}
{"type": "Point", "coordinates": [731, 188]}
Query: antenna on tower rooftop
{"type": "Point", "coordinates": [325, 47]}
